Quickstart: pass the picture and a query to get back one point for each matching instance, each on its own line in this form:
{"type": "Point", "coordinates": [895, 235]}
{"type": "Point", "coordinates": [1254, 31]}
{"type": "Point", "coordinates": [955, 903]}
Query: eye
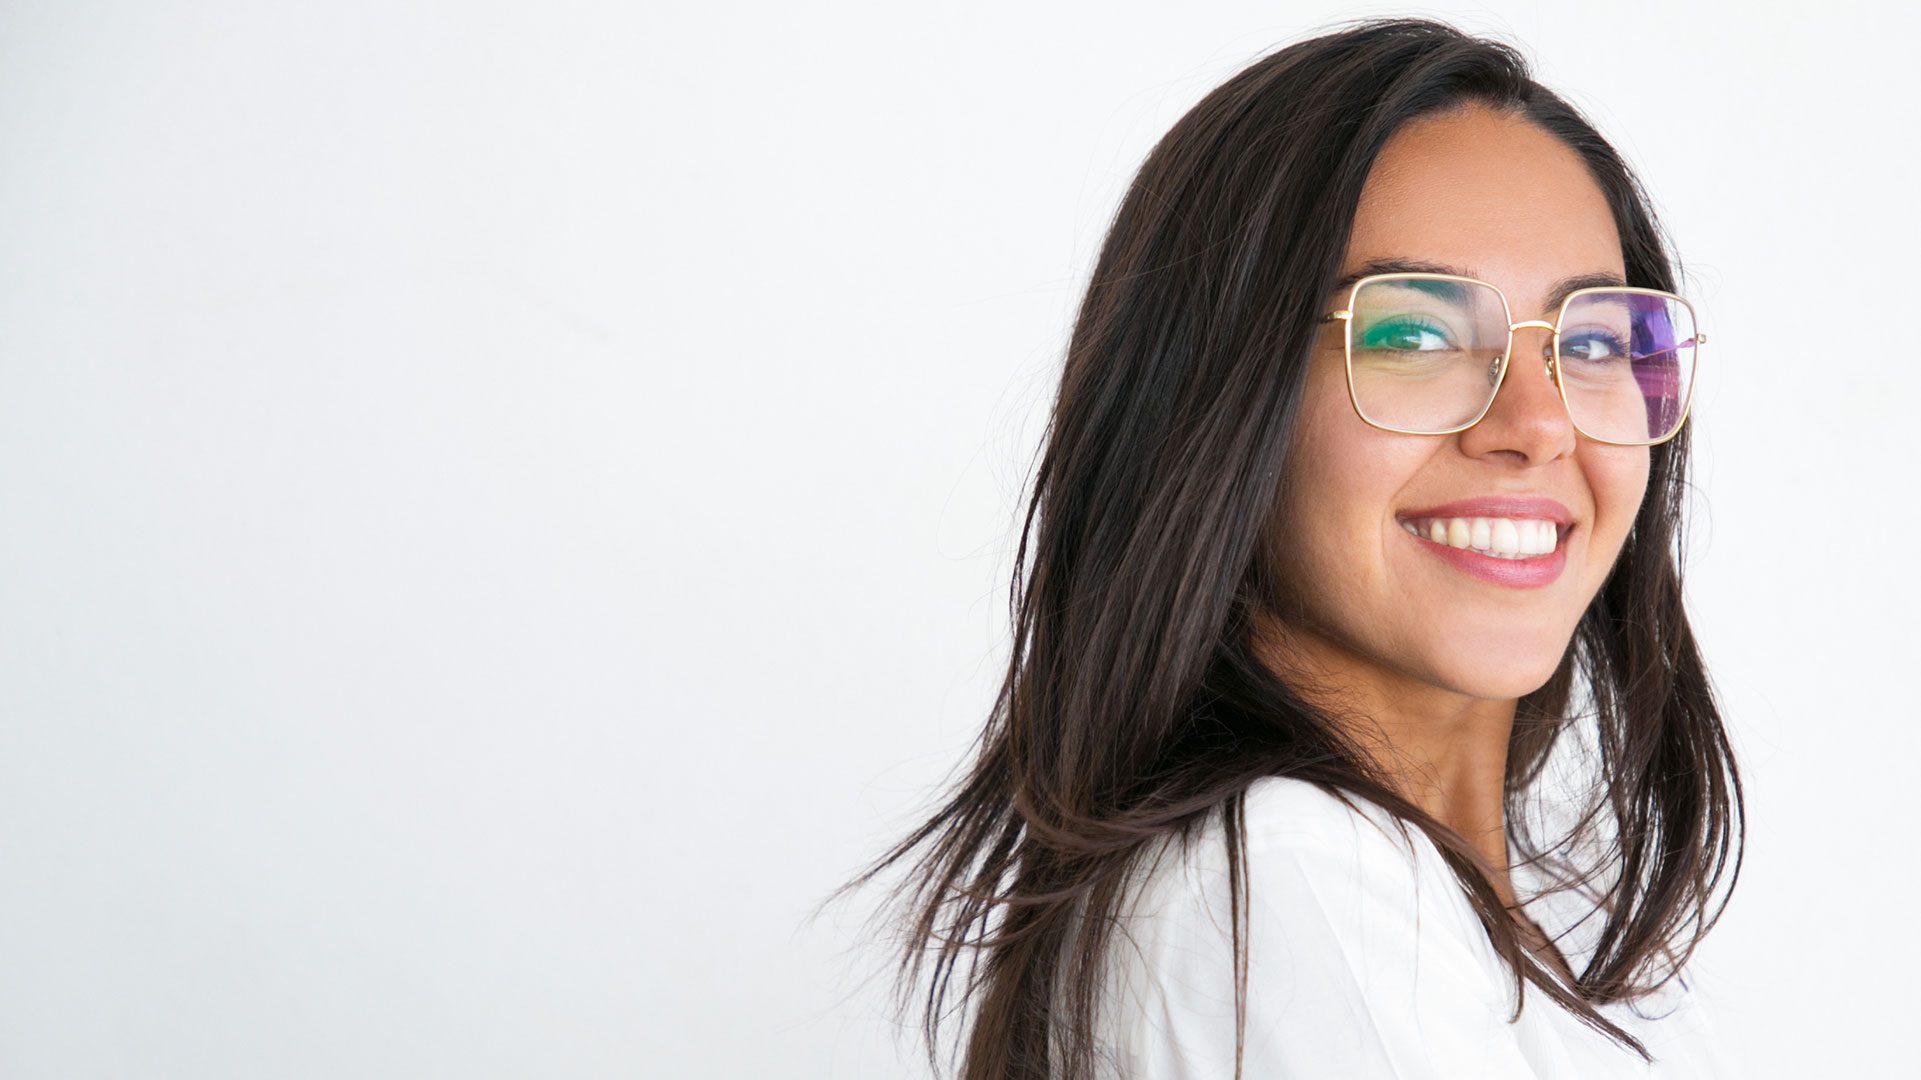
{"type": "Point", "coordinates": [1407, 334]}
{"type": "Point", "coordinates": [1593, 347]}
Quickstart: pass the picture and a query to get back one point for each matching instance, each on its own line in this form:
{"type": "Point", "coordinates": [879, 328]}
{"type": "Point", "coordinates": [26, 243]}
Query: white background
{"type": "Point", "coordinates": [503, 506]}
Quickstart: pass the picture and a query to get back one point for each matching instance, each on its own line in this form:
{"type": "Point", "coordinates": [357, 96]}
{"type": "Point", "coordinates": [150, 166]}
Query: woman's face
{"type": "Point", "coordinates": [1499, 199]}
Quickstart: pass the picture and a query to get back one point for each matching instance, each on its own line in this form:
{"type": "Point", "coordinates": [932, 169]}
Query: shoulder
{"type": "Point", "coordinates": [1333, 885]}
{"type": "Point", "coordinates": [1291, 825]}
{"type": "Point", "coordinates": [1339, 863]}
{"type": "Point", "coordinates": [1282, 811]}
{"type": "Point", "coordinates": [1357, 950]}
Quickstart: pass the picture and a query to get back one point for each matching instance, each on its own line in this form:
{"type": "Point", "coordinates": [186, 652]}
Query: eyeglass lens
{"type": "Point", "coordinates": [1426, 355]}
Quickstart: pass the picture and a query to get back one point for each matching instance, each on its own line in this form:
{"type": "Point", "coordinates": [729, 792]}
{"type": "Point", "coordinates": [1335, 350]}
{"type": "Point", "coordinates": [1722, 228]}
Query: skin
{"type": "Point", "coordinates": [1432, 658]}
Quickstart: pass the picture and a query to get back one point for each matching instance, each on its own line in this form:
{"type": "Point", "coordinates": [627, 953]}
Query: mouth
{"type": "Point", "coordinates": [1518, 542]}
{"type": "Point", "coordinates": [1511, 538]}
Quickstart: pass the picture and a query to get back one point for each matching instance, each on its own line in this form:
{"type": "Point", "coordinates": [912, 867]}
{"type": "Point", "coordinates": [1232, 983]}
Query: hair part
{"type": "Point", "coordinates": [1135, 706]}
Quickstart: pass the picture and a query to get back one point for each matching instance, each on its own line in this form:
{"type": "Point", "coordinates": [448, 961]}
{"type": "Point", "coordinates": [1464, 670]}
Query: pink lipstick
{"type": "Point", "coordinates": [1518, 573]}
{"type": "Point", "coordinates": [1533, 571]}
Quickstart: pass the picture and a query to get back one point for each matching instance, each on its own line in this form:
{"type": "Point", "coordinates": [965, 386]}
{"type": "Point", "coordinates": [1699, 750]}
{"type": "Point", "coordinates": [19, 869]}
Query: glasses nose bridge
{"type": "Point", "coordinates": [1548, 365]}
{"type": "Point", "coordinates": [1547, 349]}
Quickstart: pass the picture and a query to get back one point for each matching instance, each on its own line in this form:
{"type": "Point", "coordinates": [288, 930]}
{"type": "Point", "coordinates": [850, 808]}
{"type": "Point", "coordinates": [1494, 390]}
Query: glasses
{"type": "Point", "coordinates": [1426, 353]}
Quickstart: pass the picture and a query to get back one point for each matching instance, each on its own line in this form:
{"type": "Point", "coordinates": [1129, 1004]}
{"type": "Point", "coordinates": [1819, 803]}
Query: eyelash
{"type": "Point", "coordinates": [1402, 325]}
{"type": "Point", "coordinates": [1617, 349]}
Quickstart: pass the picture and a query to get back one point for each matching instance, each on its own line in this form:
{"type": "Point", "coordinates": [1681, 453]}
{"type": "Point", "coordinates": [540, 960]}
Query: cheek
{"type": "Point", "coordinates": [1618, 477]}
{"type": "Point", "coordinates": [1344, 479]}
{"type": "Point", "coordinates": [1325, 466]}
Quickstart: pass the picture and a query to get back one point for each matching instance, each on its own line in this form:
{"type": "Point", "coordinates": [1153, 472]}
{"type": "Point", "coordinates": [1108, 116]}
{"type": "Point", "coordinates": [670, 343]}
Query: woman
{"type": "Point", "coordinates": [1334, 534]}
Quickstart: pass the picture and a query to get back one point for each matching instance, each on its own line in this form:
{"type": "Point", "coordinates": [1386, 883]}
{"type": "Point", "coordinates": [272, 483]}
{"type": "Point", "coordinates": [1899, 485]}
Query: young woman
{"type": "Point", "coordinates": [1361, 495]}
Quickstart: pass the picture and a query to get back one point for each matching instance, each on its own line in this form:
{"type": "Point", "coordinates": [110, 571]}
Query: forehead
{"type": "Point", "coordinates": [1494, 196]}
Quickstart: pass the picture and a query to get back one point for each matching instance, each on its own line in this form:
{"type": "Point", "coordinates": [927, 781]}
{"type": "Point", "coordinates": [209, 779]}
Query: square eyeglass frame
{"type": "Point", "coordinates": [1553, 354]}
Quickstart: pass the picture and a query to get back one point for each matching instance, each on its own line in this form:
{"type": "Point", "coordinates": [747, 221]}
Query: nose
{"type": "Point", "coordinates": [1528, 418]}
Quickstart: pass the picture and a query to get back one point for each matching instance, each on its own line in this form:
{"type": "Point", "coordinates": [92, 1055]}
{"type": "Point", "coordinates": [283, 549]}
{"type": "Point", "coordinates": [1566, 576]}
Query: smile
{"type": "Point", "coordinates": [1521, 553]}
{"type": "Point", "coordinates": [1502, 538]}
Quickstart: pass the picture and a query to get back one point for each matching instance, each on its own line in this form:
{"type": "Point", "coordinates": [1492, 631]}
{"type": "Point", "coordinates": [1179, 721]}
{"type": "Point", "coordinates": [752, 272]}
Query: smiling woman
{"type": "Point", "coordinates": [1361, 496]}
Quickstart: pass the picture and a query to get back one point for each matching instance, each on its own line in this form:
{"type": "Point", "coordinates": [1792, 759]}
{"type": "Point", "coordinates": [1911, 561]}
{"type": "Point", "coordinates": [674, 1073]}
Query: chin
{"type": "Point", "coordinates": [1504, 679]}
{"type": "Point", "coordinates": [1500, 657]}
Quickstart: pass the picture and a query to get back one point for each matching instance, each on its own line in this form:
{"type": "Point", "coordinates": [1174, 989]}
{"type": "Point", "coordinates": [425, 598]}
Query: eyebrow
{"type": "Point", "coordinates": [1555, 295]}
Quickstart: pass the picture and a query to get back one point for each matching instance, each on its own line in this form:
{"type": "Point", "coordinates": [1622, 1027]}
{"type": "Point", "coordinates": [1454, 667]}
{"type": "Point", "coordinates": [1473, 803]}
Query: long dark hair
{"type": "Point", "coordinates": [1135, 707]}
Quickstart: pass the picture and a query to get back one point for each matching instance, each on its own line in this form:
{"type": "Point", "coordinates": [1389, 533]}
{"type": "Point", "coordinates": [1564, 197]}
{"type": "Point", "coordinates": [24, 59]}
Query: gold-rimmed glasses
{"type": "Point", "coordinates": [1427, 353]}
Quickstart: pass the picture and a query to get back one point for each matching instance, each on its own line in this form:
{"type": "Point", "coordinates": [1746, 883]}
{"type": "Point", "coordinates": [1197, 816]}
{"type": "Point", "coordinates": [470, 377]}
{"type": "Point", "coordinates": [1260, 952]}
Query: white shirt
{"type": "Point", "coordinates": [1365, 961]}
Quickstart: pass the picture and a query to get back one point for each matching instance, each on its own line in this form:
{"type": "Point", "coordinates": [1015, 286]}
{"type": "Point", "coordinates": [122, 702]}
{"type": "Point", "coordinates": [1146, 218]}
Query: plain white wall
{"type": "Point", "coordinates": [504, 506]}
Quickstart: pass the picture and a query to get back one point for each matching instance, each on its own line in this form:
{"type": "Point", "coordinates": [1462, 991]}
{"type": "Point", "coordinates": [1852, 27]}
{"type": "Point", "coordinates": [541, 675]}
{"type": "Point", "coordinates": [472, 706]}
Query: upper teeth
{"type": "Point", "coordinates": [1508, 538]}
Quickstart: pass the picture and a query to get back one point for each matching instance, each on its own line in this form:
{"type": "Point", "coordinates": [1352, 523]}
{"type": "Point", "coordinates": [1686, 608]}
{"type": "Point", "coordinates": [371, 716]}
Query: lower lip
{"type": "Point", "coordinates": [1514, 573]}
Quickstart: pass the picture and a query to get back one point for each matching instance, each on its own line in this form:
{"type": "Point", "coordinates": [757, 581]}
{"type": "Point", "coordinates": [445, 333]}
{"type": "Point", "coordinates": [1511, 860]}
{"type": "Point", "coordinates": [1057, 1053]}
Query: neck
{"type": "Point", "coordinates": [1442, 750]}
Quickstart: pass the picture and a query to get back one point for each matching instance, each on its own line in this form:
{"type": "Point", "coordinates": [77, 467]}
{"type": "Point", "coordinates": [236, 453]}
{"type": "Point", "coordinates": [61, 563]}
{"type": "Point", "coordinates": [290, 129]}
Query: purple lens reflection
{"type": "Point", "coordinates": [1627, 363]}
{"type": "Point", "coordinates": [1657, 360]}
